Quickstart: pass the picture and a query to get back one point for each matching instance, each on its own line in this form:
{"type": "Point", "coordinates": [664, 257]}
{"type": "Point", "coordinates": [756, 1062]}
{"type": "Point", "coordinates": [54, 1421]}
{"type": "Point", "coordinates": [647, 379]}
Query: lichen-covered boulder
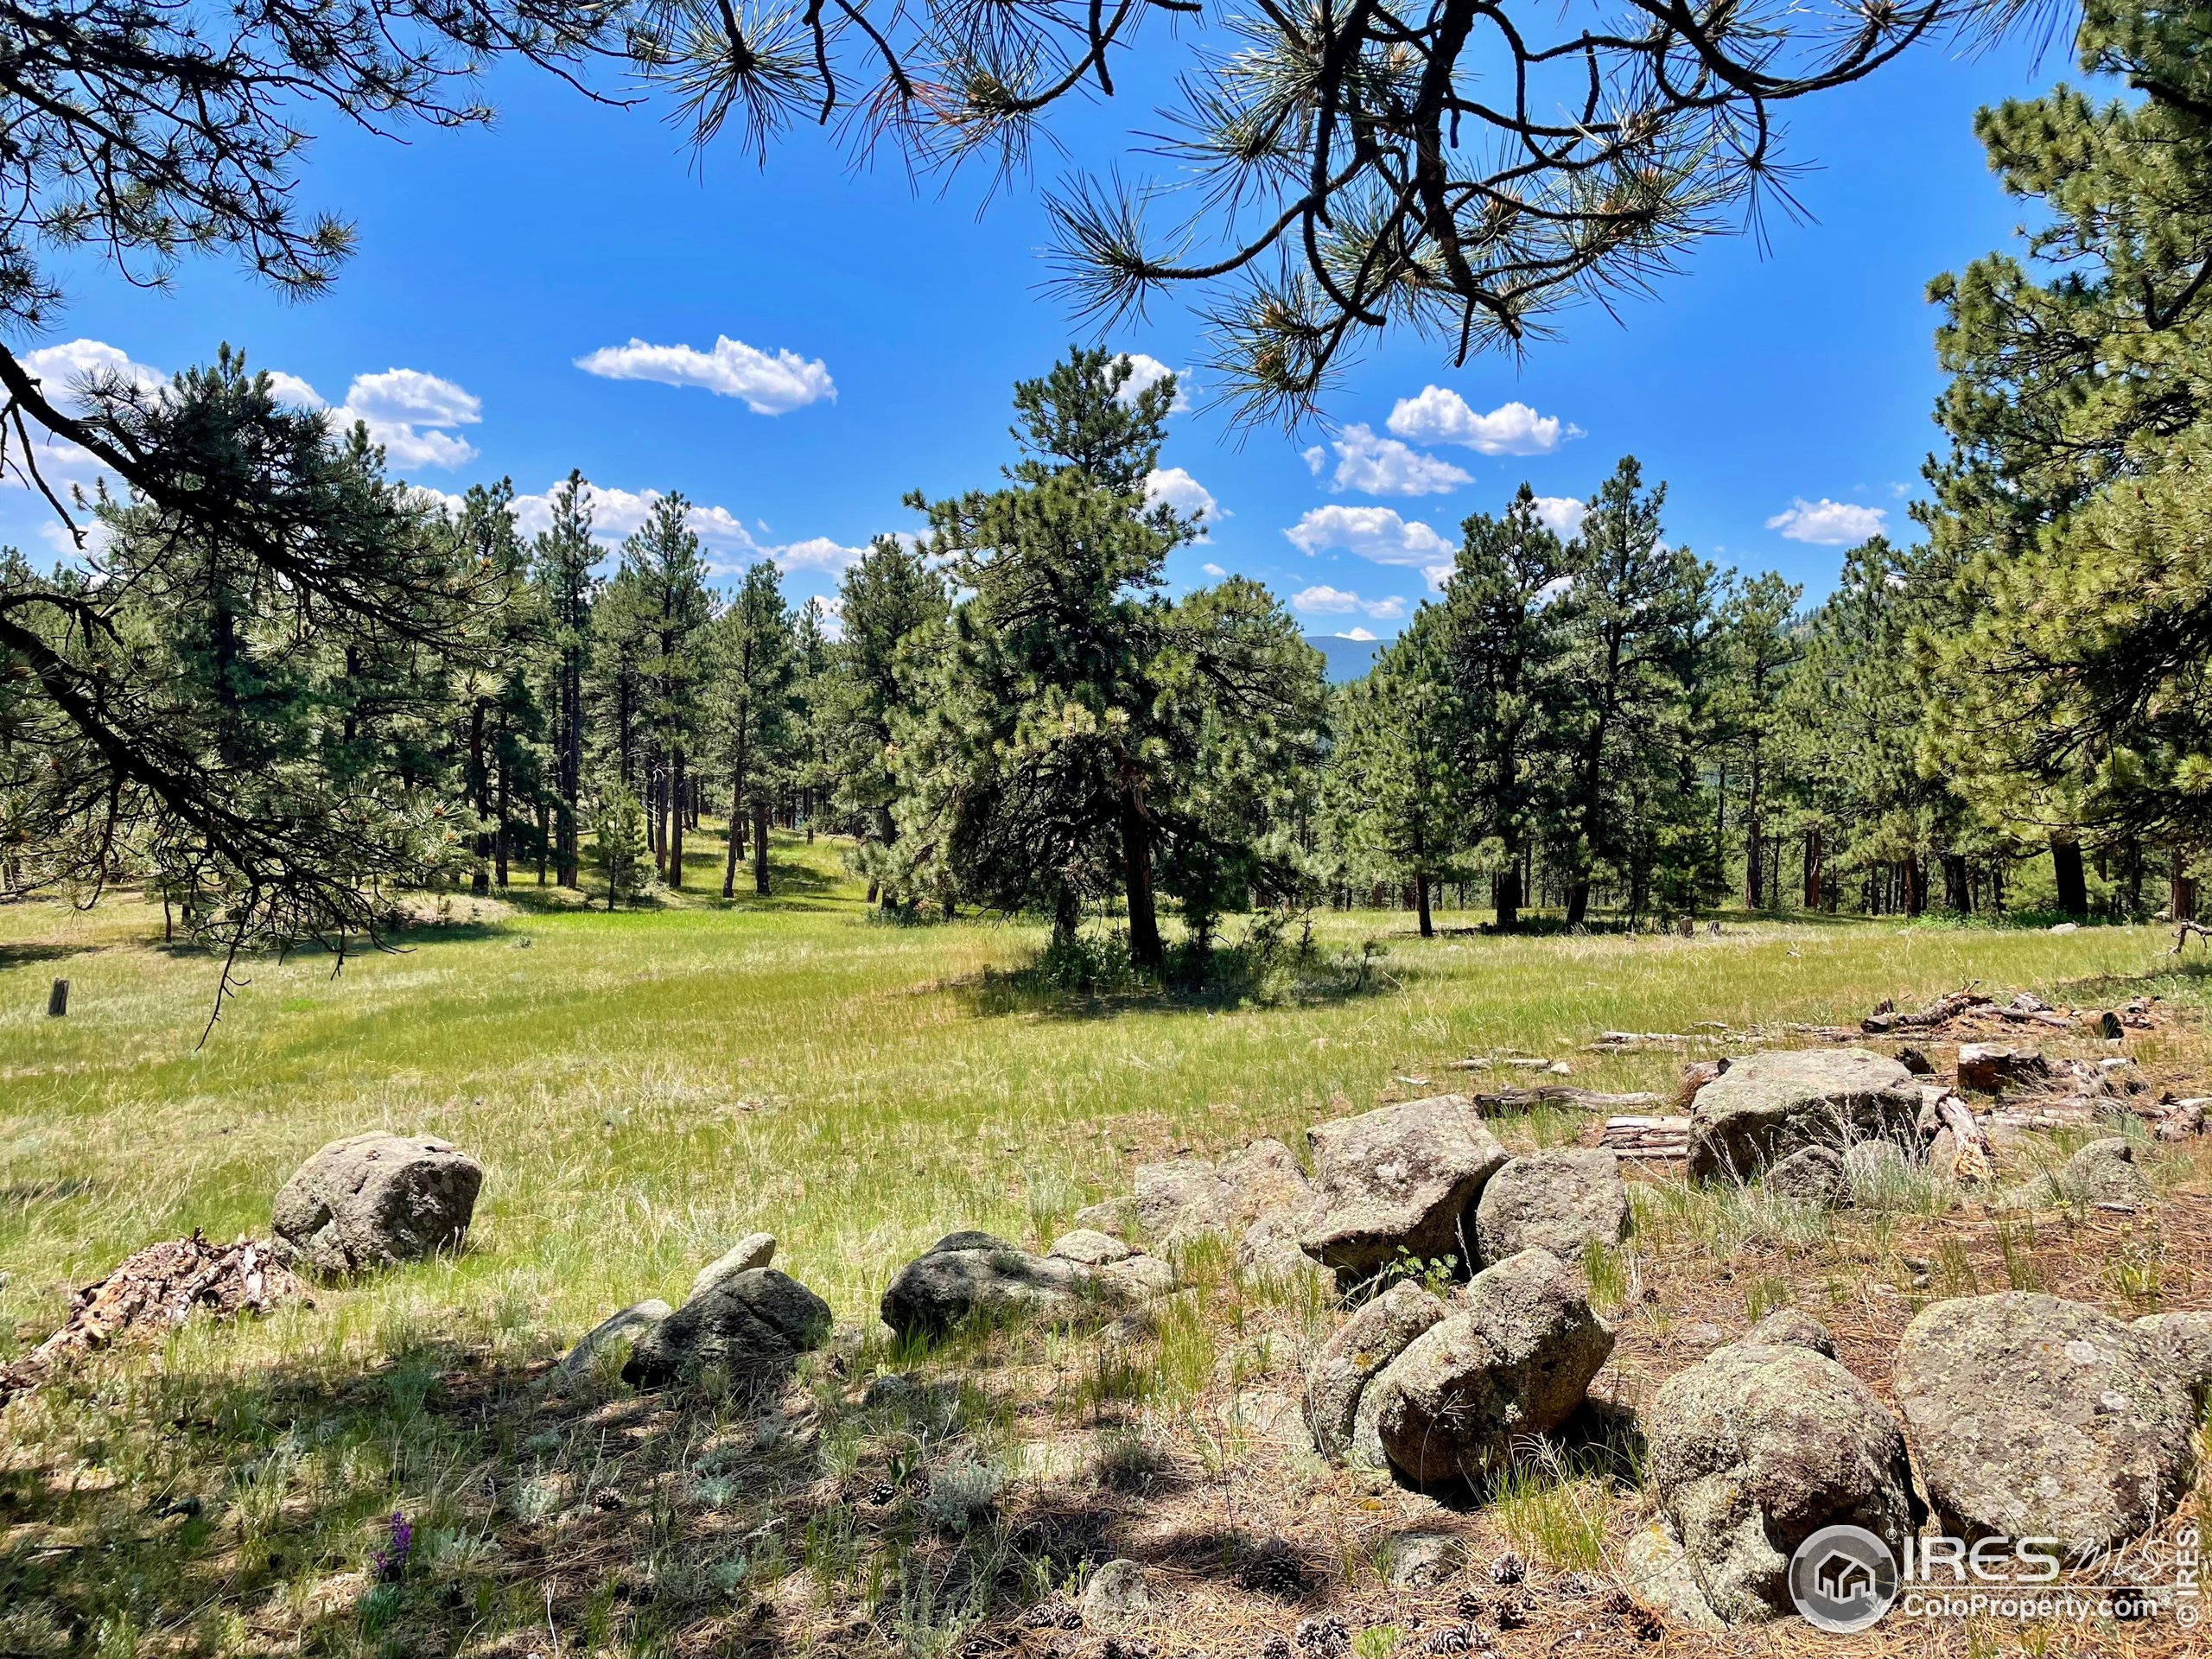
{"type": "Point", "coordinates": [1766, 1106]}
{"type": "Point", "coordinates": [374, 1200]}
{"type": "Point", "coordinates": [1089, 1247]}
{"type": "Point", "coordinates": [1762, 1443]}
{"type": "Point", "coordinates": [621, 1329]}
{"type": "Point", "coordinates": [2105, 1172]}
{"type": "Point", "coordinates": [1374, 1335]}
{"type": "Point", "coordinates": [2035, 1417]}
{"type": "Point", "coordinates": [1515, 1362]}
{"type": "Point", "coordinates": [2185, 1344]}
{"type": "Point", "coordinates": [966, 1274]}
{"type": "Point", "coordinates": [755, 1320]}
{"type": "Point", "coordinates": [1193, 1198]}
{"type": "Point", "coordinates": [754, 1250]}
{"type": "Point", "coordinates": [1400, 1178]}
{"type": "Point", "coordinates": [1814, 1173]}
{"type": "Point", "coordinates": [1562, 1201]}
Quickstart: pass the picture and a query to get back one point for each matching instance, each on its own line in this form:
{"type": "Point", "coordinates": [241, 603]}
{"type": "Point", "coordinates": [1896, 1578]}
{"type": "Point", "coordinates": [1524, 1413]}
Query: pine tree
{"type": "Point", "coordinates": [663, 561]}
{"type": "Point", "coordinates": [565, 557]}
{"type": "Point", "coordinates": [1393, 789]}
{"type": "Point", "coordinates": [619, 846]}
{"type": "Point", "coordinates": [752, 667]}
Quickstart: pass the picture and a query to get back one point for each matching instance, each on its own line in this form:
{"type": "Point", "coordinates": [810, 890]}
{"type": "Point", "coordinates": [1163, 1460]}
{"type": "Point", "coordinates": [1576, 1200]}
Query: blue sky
{"type": "Point", "coordinates": [874, 331]}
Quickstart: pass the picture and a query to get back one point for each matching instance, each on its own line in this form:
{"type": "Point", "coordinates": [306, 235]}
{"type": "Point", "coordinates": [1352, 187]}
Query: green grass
{"type": "Point", "coordinates": [642, 1089]}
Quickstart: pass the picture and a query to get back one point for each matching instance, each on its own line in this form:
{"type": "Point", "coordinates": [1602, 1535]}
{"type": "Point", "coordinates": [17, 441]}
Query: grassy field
{"type": "Point", "coordinates": [642, 1089]}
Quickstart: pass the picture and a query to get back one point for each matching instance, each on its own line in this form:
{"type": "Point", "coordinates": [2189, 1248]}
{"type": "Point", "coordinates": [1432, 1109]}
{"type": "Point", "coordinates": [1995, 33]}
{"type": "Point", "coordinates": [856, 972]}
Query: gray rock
{"type": "Point", "coordinates": [1090, 1248]}
{"type": "Point", "coordinates": [2185, 1342]}
{"type": "Point", "coordinates": [2033, 1417]}
{"type": "Point", "coordinates": [1270, 1251]}
{"type": "Point", "coordinates": [1766, 1106]}
{"type": "Point", "coordinates": [1657, 1573]}
{"type": "Point", "coordinates": [754, 1250]}
{"type": "Point", "coordinates": [1115, 1217]}
{"type": "Point", "coordinates": [616, 1328]}
{"type": "Point", "coordinates": [1562, 1201]}
{"type": "Point", "coordinates": [1421, 1561]}
{"type": "Point", "coordinates": [2105, 1171]}
{"type": "Point", "coordinates": [1118, 1593]}
{"type": "Point", "coordinates": [374, 1200]}
{"type": "Point", "coordinates": [1760, 1444]}
{"type": "Point", "coordinates": [1812, 1172]}
{"type": "Point", "coordinates": [968, 1273]}
{"type": "Point", "coordinates": [1193, 1198]}
{"type": "Point", "coordinates": [1792, 1327]}
{"type": "Point", "coordinates": [1516, 1362]}
{"type": "Point", "coordinates": [1399, 1178]}
{"type": "Point", "coordinates": [755, 1320]}
{"type": "Point", "coordinates": [1374, 1335]}
{"type": "Point", "coordinates": [1133, 1279]}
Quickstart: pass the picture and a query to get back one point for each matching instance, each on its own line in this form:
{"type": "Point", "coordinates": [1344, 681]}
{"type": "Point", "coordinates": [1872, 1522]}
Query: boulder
{"type": "Point", "coordinates": [1760, 1444]}
{"type": "Point", "coordinates": [2034, 1417]}
{"type": "Point", "coordinates": [1133, 1279]}
{"type": "Point", "coordinates": [2185, 1344]}
{"type": "Point", "coordinates": [624, 1328]}
{"type": "Point", "coordinates": [1812, 1172]}
{"type": "Point", "coordinates": [1562, 1201]}
{"type": "Point", "coordinates": [1090, 1248]}
{"type": "Point", "coordinates": [2105, 1172]}
{"type": "Point", "coordinates": [754, 1250]}
{"type": "Point", "coordinates": [966, 1274]}
{"type": "Point", "coordinates": [1270, 1251]}
{"type": "Point", "coordinates": [759, 1320]}
{"type": "Point", "coordinates": [1766, 1106]}
{"type": "Point", "coordinates": [1990, 1068]}
{"type": "Point", "coordinates": [1422, 1560]}
{"type": "Point", "coordinates": [1658, 1574]}
{"type": "Point", "coordinates": [1516, 1362]}
{"type": "Point", "coordinates": [1193, 1198]}
{"type": "Point", "coordinates": [1115, 1217]}
{"type": "Point", "coordinates": [1117, 1592]}
{"type": "Point", "coordinates": [1399, 1178]}
{"type": "Point", "coordinates": [374, 1200]}
{"type": "Point", "coordinates": [1374, 1335]}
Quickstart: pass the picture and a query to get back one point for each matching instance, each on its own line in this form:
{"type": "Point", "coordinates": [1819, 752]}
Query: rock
{"type": "Point", "coordinates": [1516, 1362]}
{"type": "Point", "coordinates": [2105, 1171]}
{"type": "Point", "coordinates": [624, 1327]}
{"type": "Point", "coordinates": [1193, 1198]}
{"type": "Point", "coordinates": [1116, 1594]}
{"type": "Point", "coordinates": [1399, 1178]}
{"type": "Point", "coordinates": [755, 1320]}
{"type": "Point", "coordinates": [1090, 1248]}
{"type": "Point", "coordinates": [1792, 1327]}
{"type": "Point", "coordinates": [374, 1200]}
{"type": "Point", "coordinates": [1812, 1172]}
{"type": "Point", "coordinates": [1657, 1573]}
{"type": "Point", "coordinates": [1421, 1561]}
{"type": "Point", "coordinates": [1760, 1444]}
{"type": "Point", "coordinates": [1270, 1251]}
{"type": "Point", "coordinates": [970, 1272]}
{"type": "Point", "coordinates": [1990, 1068]}
{"type": "Point", "coordinates": [2033, 1417]}
{"type": "Point", "coordinates": [1915, 1061]}
{"type": "Point", "coordinates": [1113, 1217]}
{"type": "Point", "coordinates": [2185, 1345]}
{"type": "Point", "coordinates": [1374, 1335]}
{"type": "Point", "coordinates": [1766, 1106]}
{"type": "Point", "coordinates": [754, 1250]}
{"type": "Point", "coordinates": [1563, 1202]}
{"type": "Point", "coordinates": [1134, 1278]}
{"type": "Point", "coordinates": [2067, 927]}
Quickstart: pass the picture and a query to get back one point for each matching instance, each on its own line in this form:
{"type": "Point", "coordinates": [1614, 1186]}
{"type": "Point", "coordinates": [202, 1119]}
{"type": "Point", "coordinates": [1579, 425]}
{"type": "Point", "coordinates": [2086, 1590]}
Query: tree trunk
{"type": "Point", "coordinates": [1754, 845]}
{"type": "Point", "coordinates": [1427, 921]}
{"type": "Point", "coordinates": [679, 804]}
{"type": "Point", "coordinates": [479, 798]}
{"type": "Point", "coordinates": [761, 846]}
{"type": "Point", "coordinates": [2181, 889]}
{"type": "Point", "coordinates": [736, 838]}
{"type": "Point", "coordinates": [1955, 895]}
{"type": "Point", "coordinates": [569, 787]}
{"type": "Point", "coordinates": [1578, 901]}
{"type": "Point", "coordinates": [1505, 893]}
{"type": "Point", "coordinates": [2073, 880]}
{"type": "Point", "coordinates": [1145, 949]}
{"type": "Point", "coordinates": [1067, 913]}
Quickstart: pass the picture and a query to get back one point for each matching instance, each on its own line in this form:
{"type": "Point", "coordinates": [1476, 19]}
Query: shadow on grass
{"type": "Point", "coordinates": [23, 956]}
{"type": "Point", "coordinates": [994, 994]}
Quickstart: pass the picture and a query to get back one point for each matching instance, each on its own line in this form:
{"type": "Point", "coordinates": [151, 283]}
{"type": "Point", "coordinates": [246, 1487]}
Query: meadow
{"type": "Point", "coordinates": [645, 1087]}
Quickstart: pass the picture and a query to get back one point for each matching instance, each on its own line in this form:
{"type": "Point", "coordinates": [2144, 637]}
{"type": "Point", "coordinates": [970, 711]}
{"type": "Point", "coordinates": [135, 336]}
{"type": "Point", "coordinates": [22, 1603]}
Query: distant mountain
{"type": "Point", "coordinates": [1348, 659]}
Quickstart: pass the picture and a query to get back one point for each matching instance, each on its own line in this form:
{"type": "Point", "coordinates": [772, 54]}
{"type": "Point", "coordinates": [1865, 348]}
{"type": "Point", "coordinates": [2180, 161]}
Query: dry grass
{"type": "Point", "coordinates": [644, 1087]}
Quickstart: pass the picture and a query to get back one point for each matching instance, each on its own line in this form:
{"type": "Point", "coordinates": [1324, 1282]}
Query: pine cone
{"type": "Point", "coordinates": [1324, 1636]}
{"type": "Point", "coordinates": [1508, 1568]}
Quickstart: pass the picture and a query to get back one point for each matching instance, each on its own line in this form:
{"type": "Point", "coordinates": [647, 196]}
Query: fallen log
{"type": "Point", "coordinates": [1940, 1012]}
{"type": "Point", "coordinates": [1657, 1138]}
{"type": "Point", "coordinates": [1588, 1100]}
{"type": "Point", "coordinates": [2184, 930]}
{"type": "Point", "coordinates": [1971, 1155]}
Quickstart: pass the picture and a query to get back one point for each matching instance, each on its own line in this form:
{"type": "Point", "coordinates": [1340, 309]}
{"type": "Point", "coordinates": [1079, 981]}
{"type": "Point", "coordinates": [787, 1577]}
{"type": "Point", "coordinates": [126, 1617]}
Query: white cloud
{"type": "Point", "coordinates": [1441, 416]}
{"type": "Point", "coordinates": [817, 553]}
{"type": "Point", "coordinates": [1323, 601]}
{"type": "Point", "coordinates": [290, 388]}
{"type": "Point", "coordinates": [768, 385]}
{"type": "Point", "coordinates": [1563, 514]}
{"type": "Point", "coordinates": [1363, 636]}
{"type": "Point", "coordinates": [403, 410]}
{"type": "Point", "coordinates": [1377, 533]}
{"type": "Point", "coordinates": [730, 545]}
{"type": "Point", "coordinates": [1556, 587]}
{"type": "Point", "coordinates": [1213, 570]}
{"type": "Point", "coordinates": [67, 366]}
{"type": "Point", "coordinates": [1145, 372]}
{"type": "Point", "coordinates": [1375, 465]}
{"type": "Point", "coordinates": [1181, 492]}
{"type": "Point", "coordinates": [1827, 524]}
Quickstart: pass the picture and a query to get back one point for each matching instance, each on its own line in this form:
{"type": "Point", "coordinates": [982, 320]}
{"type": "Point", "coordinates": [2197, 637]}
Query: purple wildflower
{"type": "Point", "coordinates": [390, 1562]}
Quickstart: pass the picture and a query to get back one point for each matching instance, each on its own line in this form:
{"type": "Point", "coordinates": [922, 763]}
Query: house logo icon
{"type": "Point", "coordinates": [1843, 1579]}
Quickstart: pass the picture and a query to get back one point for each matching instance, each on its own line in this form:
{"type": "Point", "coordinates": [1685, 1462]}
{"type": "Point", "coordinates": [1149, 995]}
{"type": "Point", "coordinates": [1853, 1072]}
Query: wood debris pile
{"type": "Point", "coordinates": [1968, 1013]}
{"type": "Point", "coordinates": [153, 1292]}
